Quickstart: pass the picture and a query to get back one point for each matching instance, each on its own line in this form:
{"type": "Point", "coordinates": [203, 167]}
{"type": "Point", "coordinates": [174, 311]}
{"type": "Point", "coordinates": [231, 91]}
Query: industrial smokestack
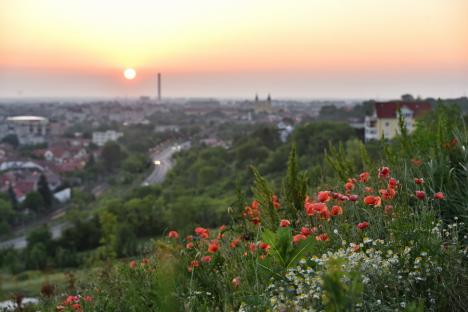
{"type": "Point", "coordinates": [159, 86]}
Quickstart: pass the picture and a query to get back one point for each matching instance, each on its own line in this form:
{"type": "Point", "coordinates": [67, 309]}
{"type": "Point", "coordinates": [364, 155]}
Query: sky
{"type": "Point", "coordinates": [214, 48]}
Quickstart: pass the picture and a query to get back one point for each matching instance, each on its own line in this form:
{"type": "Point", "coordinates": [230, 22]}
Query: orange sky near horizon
{"type": "Point", "coordinates": [254, 39]}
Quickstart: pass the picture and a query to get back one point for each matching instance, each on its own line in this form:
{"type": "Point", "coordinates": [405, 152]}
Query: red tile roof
{"type": "Point", "coordinates": [389, 109]}
{"type": "Point", "coordinates": [23, 187]}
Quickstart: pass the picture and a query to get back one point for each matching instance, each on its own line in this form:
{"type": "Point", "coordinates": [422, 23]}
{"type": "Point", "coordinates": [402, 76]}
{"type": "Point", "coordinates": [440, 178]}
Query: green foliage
{"type": "Point", "coordinates": [285, 253]}
{"type": "Point", "coordinates": [342, 290]}
{"type": "Point", "coordinates": [294, 185]}
{"type": "Point", "coordinates": [332, 112]}
{"type": "Point", "coordinates": [109, 234]}
{"type": "Point", "coordinates": [347, 159]}
{"type": "Point", "coordinates": [44, 190]}
{"type": "Point", "coordinates": [135, 163]}
{"type": "Point", "coordinates": [12, 197]}
{"type": "Point", "coordinates": [264, 195]}
{"type": "Point", "coordinates": [6, 216]}
{"type": "Point", "coordinates": [33, 202]}
{"type": "Point", "coordinates": [39, 247]}
{"type": "Point", "coordinates": [410, 257]}
{"type": "Point", "coordinates": [11, 139]}
{"type": "Point", "coordinates": [112, 156]}
{"type": "Point", "coordinates": [440, 139]}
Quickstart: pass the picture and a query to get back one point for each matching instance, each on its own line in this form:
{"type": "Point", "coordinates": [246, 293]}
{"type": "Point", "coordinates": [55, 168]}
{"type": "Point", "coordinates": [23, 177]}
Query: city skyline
{"type": "Point", "coordinates": [309, 49]}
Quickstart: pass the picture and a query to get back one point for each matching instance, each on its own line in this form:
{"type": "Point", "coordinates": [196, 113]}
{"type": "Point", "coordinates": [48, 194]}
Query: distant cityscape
{"type": "Point", "coordinates": [62, 138]}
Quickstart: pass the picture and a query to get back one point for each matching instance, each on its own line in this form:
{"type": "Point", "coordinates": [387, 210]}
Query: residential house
{"type": "Point", "coordinates": [384, 121]}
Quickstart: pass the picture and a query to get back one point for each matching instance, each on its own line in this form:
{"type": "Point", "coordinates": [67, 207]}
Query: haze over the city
{"type": "Point", "coordinates": [303, 48]}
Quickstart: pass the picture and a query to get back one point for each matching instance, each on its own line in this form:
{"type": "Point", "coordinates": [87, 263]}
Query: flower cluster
{"type": "Point", "coordinates": [74, 303]}
{"type": "Point", "coordinates": [386, 270]}
{"type": "Point", "coordinates": [362, 207]}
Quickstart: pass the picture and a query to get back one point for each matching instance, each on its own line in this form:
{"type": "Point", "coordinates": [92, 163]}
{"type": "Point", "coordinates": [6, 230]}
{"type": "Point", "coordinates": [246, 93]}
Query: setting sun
{"type": "Point", "coordinates": [129, 73]}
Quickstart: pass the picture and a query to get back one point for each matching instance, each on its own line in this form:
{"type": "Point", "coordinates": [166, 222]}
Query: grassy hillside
{"type": "Point", "coordinates": [376, 227]}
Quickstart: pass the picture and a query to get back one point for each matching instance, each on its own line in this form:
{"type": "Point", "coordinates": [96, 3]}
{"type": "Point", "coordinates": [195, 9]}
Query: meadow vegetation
{"type": "Point", "coordinates": [328, 224]}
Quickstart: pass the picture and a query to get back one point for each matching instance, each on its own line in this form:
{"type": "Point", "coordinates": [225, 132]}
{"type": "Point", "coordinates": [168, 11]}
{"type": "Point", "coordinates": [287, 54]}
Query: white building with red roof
{"type": "Point", "coordinates": [384, 122]}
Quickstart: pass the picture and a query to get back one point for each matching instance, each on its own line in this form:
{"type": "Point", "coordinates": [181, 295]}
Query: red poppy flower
{"type": "Point", "coordinates": [132, 264]}
{"type": "Point", "coordinates": [264, 246]}
{"type": "Point", "coordinates": [256, 221]}
{"type": "Point", "coordinates": [306, 231]}
{"type": "Point", "coordinates": [213, 246]}
{"type": "Point", "coordinates": [419, 181]}
{"type": "Point", "coordinates": [372, 200]}
{"type": "Point", "coordinates": [276, 203]}
{"type": "Point", "coordinates": [343, 197]}
{"type": "Point", "coordinates": [309, 209]}
{"type": "Point", "coordinates": [313, 208]}
{"type": "Point", "coordinates": [173, 234]}
{"type": "Point", "coordinates": [420, 195]}
{"type": "Point", "coordinates": [88, 298]}
{"type": "Point", "coordinates": [285, 223]}
{"type": "Point", "coordinates": [323, 196]}
{"type": "Point", "coordinates": [349, 186]}
{"type": "Point", "coordinates": [202, 232]}
{"type": "Point", "coordinates": [189, 245]}
{"type": "Point", "coordinates": [416, 162]}
{"type": "Point", "coordinates": [388, 193]}
{"type": "Point", "coordinates": [439, 195]}
{"type": "Point", "coordinates": [206, 259]}
{"type": "Point", "coordinates": [353, 198]}
{"type": "Point", "coordinates": [384, 172]}
{"type": "Point", "coordinates": [336, 210]}
{"type": "Point", "coordinates": [364, 177]}
{"type": "Point", "coordinates": [368, 189]}
{"type": "Point", "coordinates": [72, 299]}
{"type": "Point", "coordinates": [252, 247]}
{"type": "Point", "coordinates": [299, 237]}
{"type": "Point", "coordinates": [322, 237]}
{"type": "Point", "coordinates": [325, 214]}
{"type": "Point", "coordinates": [253, 212]}
{"type": "Point", "coordinates": [363, 225]}
{"type": "Point", "coordinates": [235, 242]}
{"type": "Point", "coordinates": [392, 183]}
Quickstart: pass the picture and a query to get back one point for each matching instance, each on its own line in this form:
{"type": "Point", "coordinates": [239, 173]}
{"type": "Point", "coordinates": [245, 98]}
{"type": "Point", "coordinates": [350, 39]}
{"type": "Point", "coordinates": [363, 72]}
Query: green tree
{"type": "Point", "coordinates": [112, 156]}
{"type": "Point", "coordinates": [109, 234]}
{"type": "Point", "coordinates": [135, 163]}
{"type": "Point", "coordinates": [40, 235]}
{"type": "Point", "coordinates": [7, 215]}
{"type": "Point", "coordinates": [37, 256]}
{"type": "Point", "coordinates": [12, 196]}
{"type": "Point", "coordinates": [91, 163]}
{"type": "Point", "coordinates": [11, 139]}
{"type": "Point", "coordinates": [33, 202]}
{"type": "Point", "coordinates": [13, 260]}
{"type": "Point", "coordinates": [126, 243]}
{"type": "Point", "coordinates": [39, 247]}
{"type": "Point", "coordinates": [44, 190]}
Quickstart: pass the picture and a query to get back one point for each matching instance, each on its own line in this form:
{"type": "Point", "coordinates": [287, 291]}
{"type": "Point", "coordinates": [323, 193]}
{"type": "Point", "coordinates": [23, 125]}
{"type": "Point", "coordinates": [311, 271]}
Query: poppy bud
{"type": "Point", "coordinates": [420, 195]}
{"type": "Point", "coordinates": [363, 225]}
